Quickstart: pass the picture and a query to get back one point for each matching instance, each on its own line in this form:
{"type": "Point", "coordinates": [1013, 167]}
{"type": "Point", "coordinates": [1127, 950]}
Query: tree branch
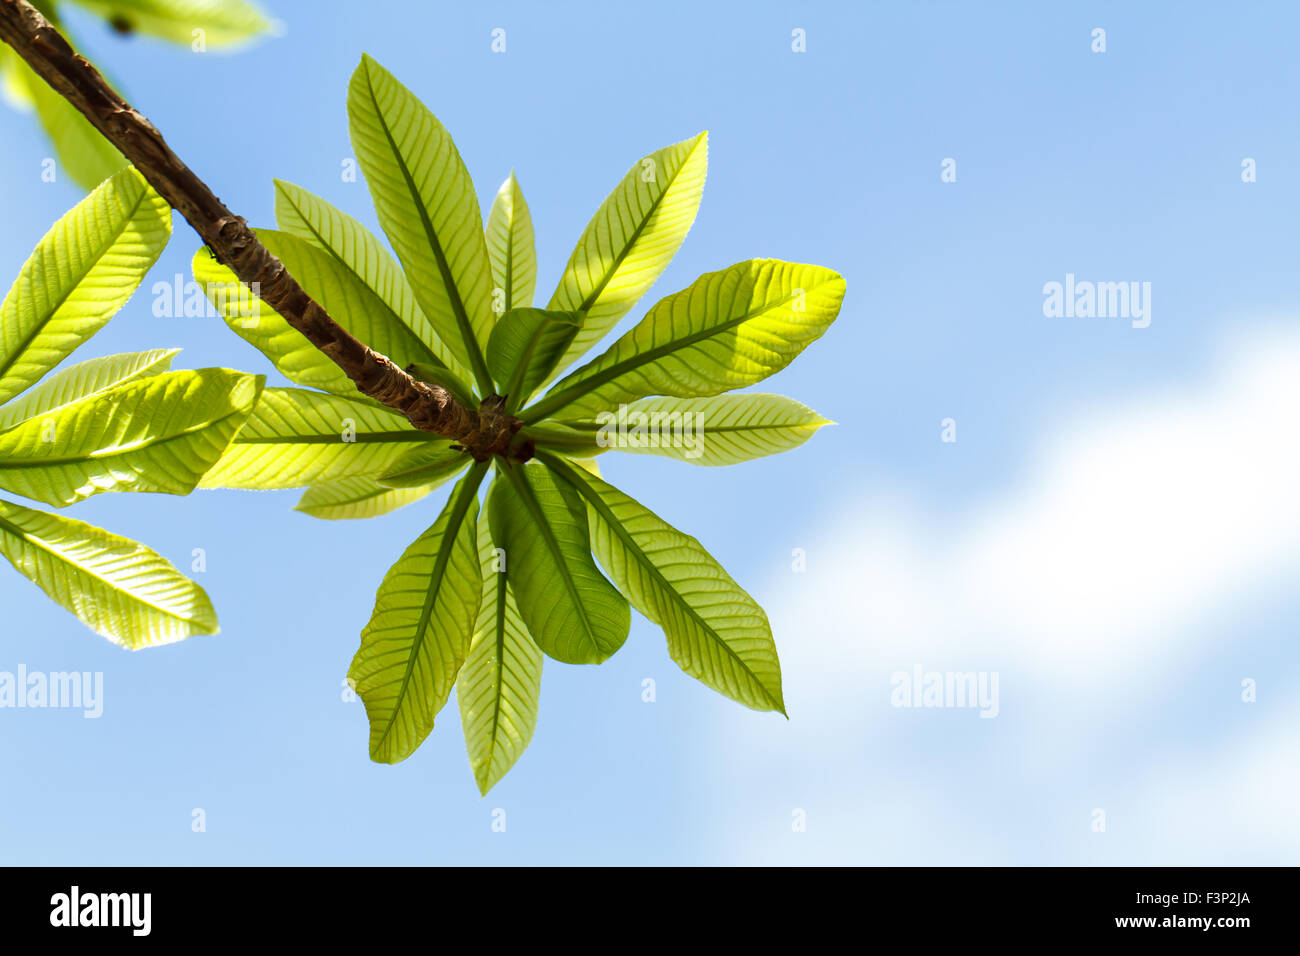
{"type": "Point", "coordinates": [483, 432]}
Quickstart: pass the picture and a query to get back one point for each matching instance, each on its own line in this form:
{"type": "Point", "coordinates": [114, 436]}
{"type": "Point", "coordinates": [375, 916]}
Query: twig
{"type": "Point", "coordinates": [483, 432]}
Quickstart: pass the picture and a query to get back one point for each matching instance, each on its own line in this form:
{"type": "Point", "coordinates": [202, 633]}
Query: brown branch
{"type": "Point", "coordinates": [483, 432]}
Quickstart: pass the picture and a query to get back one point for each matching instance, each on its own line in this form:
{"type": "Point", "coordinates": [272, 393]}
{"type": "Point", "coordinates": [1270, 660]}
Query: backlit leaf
{"type": "Point", "coordinates": [83, 379]}
{"type": "Point", "coordinates": [572, 612]}
{"type": "Point", "coordinates": [630, 240]}
{"type": "Point", "coordinates": [296, 438]}
{"type": "Point", "coordinates": [357, 251]}
{"type": "Point", "coordinates": [426, 203]}
{"type": "Point", "coordinates": [420, 631]}
{"type": "Point", "coordinates": [353, 498]}
{"type": "Point", "coordinates": [159, 434]}
{"type": "Point", "coordinates": [501, 682]}
{"type": "Point", "coordinates": [721, 430]}
{"type": "Point", "coordinates": [117, 587]}
{"type": "Point", "coordinates": [80, 274]}
{"type": "Point", "coordinates": [510, 245]}
{"type": "Point", "coordinates": [716, 632]}
{"type": "Point", "coordinates": [727, 330]}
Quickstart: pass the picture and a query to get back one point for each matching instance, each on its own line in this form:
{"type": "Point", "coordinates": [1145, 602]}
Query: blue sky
{"type": "Point", "coordinates": [1114, 532]}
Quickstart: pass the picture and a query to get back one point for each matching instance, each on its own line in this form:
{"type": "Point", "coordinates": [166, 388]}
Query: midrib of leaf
{"type": "Point", "coordinates": [116, 449]}
{"type": "Point", "coordinates": [444, 268]}
{"type": "Point", "coordinates": [40, 543]}
{"type": "Point", "coordinates": [510, 254]}
{"type": "Point", "coordinates": [712, 429]}
{"type": "Point", "coordinates": [588, 302]}
{"type": "Point", "coordinates": [567, 473]}
{"type": "Point", "coordinates": [94, 261]}
{"type": "Point", "coordinates": [328, 247]}
{"type": "Point", "coordinates": [521, 369]}
{"type": "Point", "coordinates": [500, 665]}
{"type": "Point", "coordinates": [445, 546]}
{"type": "Point", "coordinates": [362, 438]}
{"type": "Point", "coordinates": [557, 400]}
{"type": "Point", "coordinates": [548, 535]}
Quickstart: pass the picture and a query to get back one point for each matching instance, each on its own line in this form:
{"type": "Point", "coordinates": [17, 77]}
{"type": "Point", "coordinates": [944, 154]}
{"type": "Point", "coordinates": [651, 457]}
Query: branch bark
{"type": "Point", "coordinates": [483, 432]}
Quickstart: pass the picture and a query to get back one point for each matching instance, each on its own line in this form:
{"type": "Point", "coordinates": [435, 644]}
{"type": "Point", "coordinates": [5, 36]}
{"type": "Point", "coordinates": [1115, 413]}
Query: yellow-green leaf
{"type": "Point", "coordinates": [716, 632]}
{"type": "Point", "coordinates": [349, 301]}
{"type": "Point", "coordinates": [426, 203]}
{"type": "Point", "coordinates": [156, 434]}
{"type": "Point", "coordinates": [501, 682]}
{"type": "Point", "coordinates": [524, 348]}
{"type": "Point", "coordinates": [354, 498]}
{"type": "Point", "coordinates": [223, 23]}
{"type": "Point", "coordinates": [427, 466]}
{"type": "Point", "coordinates": [117, 587]}
{"type": "Point", "coordinates": [511, 248]}
{"type": "Point", "coordinates": [296, 438]}
{"type": "Point", "coordinates": [80, 274]}
{"type": "Point", "coordinates": [420, 631]}
{"type": "Point", "coordinates": [85, 156]}
{"type": "Point", "coordinates": [572, 612]}
{"type": "Point", "coordinates": [721, 430]}
{"type": "Point", "coordinates": [630, 240]}
{"type": "Point", "coordinates": [84, 379]}
{"type": "Point", "coordinates": [266, 330]}
{"type": "Point", "coordinates": [357, 252]}
{"type": "Point", "coordinates": [727, 330]}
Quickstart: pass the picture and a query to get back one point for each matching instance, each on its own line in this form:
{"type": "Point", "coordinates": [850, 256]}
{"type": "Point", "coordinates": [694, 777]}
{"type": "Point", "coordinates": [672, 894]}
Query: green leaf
{"type": "Point", "coordinates": [420, 631]}
{"type": "Point", "coordinates": [353, 498]}
{"type": "Point", "coordinates": [82, 380]}
{"type": "Point", "coordinates": [572, 612]}
{"type": "Point", "coordinates": [524, 348]}
{"type": "Point", "coordinates": [80, 274]}
{"type": "Point", "coordinates": [348, 300]}
{"type": "Point", "coordinates": [267, 331]}
{"type": "Point", "coordinates": [630, 240]}
{"type": "Point", "coordinates": [589, 465]}
{"type": "Point", "coordinates": [85, 155]}
{"type": "Point", "coordinates": [499, 687]}
{"type": "Point", "coordinates": [117, 587]}
{"type": "Point", "coordinates": [358, 253]}
{"type": "Point", "coordinates": [716, 632]}
{"type": "Point", "coordinates": [224, 23]}
{"type": "Point", "coordinates": [561, 438]}
{"type": "Point", "coordinates": [156, 434]}
{"type": "Point", "coordinates": [296, 438]}
{"type": "Point", "coordinates": [426, 203]}
{"type": "Point", "coordinates": [727, 330]}
{"type": "Point", "coordinates": [13, 87]}
{"type": "Point", "coordinates": [722, 430]}
{"type": "Point", "coordinates": [428, 466]}
{"type": "Point", "coordinates": [510, 246]}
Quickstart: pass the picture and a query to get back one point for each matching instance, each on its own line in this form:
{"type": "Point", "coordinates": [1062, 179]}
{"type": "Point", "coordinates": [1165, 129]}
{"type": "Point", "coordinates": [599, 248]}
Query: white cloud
{"type": "Point", "coordinates": [1084, 586]}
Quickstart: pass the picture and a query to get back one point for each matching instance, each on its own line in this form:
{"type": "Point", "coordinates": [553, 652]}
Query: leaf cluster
{"type": "Point", "coordinates": [555, 559]}
{"type": "Point", "coordinates": [119, 423]}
